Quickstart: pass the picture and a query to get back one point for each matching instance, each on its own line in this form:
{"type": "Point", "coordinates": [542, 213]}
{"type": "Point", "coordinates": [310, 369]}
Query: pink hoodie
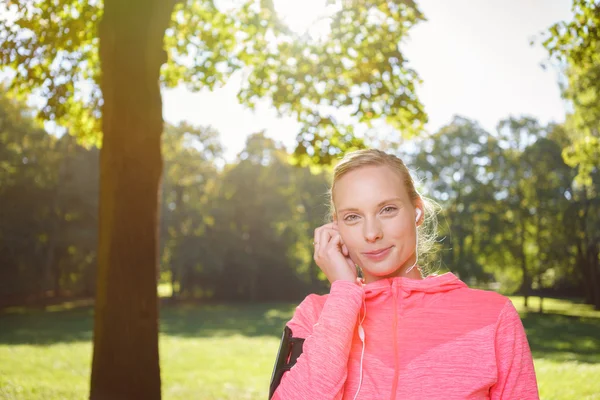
{"type": "Point", "coordinates": [424, 339]}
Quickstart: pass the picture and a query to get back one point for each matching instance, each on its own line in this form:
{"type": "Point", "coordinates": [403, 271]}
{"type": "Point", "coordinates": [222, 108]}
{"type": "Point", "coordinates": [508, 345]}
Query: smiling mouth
{"type": "Point", "coordinates": [377, 252]}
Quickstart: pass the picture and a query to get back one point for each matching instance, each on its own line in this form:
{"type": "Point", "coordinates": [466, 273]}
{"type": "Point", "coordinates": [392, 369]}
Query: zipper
{"type": "Point", "coordinates": [396, 366]}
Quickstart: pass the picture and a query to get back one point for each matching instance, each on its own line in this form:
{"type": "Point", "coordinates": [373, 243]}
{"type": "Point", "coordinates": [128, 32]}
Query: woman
{"type": "Point", "coordinates": [395, 334]}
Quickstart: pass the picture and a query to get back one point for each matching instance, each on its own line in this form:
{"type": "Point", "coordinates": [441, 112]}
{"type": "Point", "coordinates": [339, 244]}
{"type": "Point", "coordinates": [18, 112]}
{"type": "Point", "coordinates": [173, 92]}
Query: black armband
{"type": "Point", "coordinates": [289, 351]}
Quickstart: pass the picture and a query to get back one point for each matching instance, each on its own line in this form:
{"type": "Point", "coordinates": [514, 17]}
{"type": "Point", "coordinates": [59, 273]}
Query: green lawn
{"type": "Point", "coordinates": [227, 351]}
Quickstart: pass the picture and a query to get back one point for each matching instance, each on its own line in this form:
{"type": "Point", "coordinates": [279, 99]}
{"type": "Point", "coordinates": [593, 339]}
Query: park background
{"type": "Point", "coordinates": [493, 106]}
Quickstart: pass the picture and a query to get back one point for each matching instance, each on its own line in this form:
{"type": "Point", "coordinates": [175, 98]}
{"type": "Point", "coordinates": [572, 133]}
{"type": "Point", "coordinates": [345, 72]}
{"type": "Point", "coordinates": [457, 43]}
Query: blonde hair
{"type": "Point", "coordinates": [427, 231]}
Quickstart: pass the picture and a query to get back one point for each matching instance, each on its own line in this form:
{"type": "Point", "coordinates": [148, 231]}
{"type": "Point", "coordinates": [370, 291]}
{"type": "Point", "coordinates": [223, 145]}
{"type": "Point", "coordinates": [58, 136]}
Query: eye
{"type": "Point", "coordinates": [388, 209]}
{"type": "Point", "coordinates": [351, 217]}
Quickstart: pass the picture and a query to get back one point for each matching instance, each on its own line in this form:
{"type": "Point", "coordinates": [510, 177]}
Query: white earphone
{"type": "Point", "coordinates": [418, 214]}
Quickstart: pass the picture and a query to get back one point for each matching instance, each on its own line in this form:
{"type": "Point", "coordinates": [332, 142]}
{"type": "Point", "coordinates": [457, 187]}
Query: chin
{"type": "Point", "coordinates": [381, 272]}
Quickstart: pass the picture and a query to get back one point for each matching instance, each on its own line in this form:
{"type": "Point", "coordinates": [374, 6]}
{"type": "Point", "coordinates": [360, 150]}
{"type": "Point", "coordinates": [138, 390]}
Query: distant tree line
{"type": "Point", "coordinates": [513, 212]}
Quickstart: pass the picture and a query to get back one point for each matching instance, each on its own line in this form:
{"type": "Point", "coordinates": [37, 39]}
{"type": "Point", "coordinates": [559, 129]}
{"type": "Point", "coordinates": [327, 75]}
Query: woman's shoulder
{"type": "Point", "coordinates": [488, 296]}
{"type": "Point", "coordinates": [312, 304]}
{"type": "Point", "coordinates": [486, 301]}
{"type": "Point", "coordinates": [307, 314]}
{"type": "Point", "coordinates": [474, 307]}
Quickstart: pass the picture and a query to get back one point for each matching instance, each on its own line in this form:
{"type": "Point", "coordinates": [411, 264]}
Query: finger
{"type": "Point", "coordinates": [335, 242]}
{"type": "Point", "coordinates": [318, 230]}
{"type": "Point", "coordinates": [330, 234]}
{"type": "Point", "coordinates": [324, 238]}
{"type": "Point", "coordinates": [330, 225]}
{"type": "Point", "coordinates": [329, 229]}
{"type": "Point", "coordinates": [316, 237]}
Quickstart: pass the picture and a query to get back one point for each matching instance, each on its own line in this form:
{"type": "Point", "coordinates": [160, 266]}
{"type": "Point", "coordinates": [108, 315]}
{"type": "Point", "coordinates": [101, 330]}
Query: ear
{"type": "Point", "coordinates": [419, 211]}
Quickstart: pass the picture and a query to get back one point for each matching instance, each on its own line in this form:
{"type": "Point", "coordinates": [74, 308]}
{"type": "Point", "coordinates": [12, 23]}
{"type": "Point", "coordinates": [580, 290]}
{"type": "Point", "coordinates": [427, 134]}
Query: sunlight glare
{"type": "Point", "coordinates": [307, 16]}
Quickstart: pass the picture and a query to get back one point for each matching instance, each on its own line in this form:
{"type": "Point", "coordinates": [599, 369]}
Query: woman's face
{"type": "Point", "coordinates": [376, 220]}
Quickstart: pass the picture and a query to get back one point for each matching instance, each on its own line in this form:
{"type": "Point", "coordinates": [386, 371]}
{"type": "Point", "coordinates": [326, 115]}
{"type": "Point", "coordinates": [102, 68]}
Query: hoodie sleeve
{"type": "Point", "coordinates": [516, 374]}
{"type": "Point", "coordinates": [320, 371]}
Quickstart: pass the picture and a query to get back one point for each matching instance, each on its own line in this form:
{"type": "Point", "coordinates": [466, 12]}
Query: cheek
{"type": "Point", "coordinates": [397, 228]}
{"type": "Point", "coordinates": [350, 236]}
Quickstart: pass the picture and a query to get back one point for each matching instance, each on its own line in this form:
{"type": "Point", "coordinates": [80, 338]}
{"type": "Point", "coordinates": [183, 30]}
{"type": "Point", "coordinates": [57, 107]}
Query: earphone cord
{"type": "Point", "coordinates": [361, 334]}
{"type": "Point", "coordinates": [417, 253]}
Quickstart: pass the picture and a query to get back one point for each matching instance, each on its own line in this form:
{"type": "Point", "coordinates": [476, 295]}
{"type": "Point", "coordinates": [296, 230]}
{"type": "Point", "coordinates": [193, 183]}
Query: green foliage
{"type": "Point", "coordinates": [584, 153]}
{"type": "Point", "coordinates": [240, 233]}
{"type": "Point", "coordinates": [355, 71]}
{"type": "Point", "coordinates": [354, 74]}
{"type": "Point", "coordinates": [252, 219]}
{"type": "Point", "coordinates": [576, 46]}
{"type": "Point", "coordinates": [537, 186]}
{"type": "Point", "coordinates": [53, 48]}
{"type": "Point", "coordinates": [260, 211]}
{"type": "Point", "coordinates": [49, 197]}
{"type": "Point", "coordinates": [503, 196]}
{"type": "Point", "coordinates": [455, 164]}
{"type": "Point", "coordinates": [243, 230]}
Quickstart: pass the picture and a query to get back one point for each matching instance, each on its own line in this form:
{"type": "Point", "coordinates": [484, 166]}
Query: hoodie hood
{"type": "Point", "coordinates": [411, 293]}
{"type": "Point", "coordinates": [430, 284]}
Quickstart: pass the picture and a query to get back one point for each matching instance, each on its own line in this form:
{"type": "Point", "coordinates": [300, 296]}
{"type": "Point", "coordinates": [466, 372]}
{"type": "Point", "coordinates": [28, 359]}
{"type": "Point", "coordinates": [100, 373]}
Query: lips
{"type": "Point", "coordinates": [379, 254]}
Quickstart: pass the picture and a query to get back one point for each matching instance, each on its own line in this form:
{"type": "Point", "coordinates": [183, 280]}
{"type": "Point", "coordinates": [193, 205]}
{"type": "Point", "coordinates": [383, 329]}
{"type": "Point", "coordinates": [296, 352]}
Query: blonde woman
{"type": "Point", "coordinates": [395, 333]}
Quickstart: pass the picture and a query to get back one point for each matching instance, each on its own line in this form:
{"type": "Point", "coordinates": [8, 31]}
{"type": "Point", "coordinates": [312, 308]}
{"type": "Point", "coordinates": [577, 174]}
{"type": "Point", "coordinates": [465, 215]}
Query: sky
{"type": "Point", "coordinates": [474, 57]}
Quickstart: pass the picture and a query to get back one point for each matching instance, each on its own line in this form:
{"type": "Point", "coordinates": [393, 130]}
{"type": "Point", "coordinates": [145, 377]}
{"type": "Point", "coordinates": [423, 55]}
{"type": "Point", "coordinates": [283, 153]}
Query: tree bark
{"type": "Point", "coordinates": [592, 265]}
{"type": "Point", "coordinates": [526, 284]}
{"type": "Point", "coordinates": [125, 362]}
{"type": "Point", "coordinates": [587, 257]}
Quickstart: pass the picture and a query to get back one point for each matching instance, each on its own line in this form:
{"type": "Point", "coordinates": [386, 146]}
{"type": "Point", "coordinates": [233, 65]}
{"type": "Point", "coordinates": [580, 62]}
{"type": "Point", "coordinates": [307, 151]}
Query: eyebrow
{"type": "Point", "coordinates": [378, 205]}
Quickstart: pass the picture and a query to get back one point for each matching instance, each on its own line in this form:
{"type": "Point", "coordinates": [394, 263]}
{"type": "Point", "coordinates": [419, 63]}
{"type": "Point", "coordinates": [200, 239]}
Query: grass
{"type": "Point", "coordinates": [227, 351]}
{"type": "Point", "coordinates": [565, 342]}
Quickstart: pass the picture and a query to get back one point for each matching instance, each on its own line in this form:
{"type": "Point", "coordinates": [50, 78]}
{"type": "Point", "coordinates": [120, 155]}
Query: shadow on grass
{"type": "Point", "coordinates": [43, 327]}
{"type": "Point", "coordinates": [560, 337]}
{"type": "Point", "coordinates": [262, 319]}
{"type": "Point", "coordinates": [551, 335]}
{"type": "Point", "coordinates": [75, 324]}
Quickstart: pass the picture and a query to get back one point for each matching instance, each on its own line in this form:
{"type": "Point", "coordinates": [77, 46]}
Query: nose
{"type": "Point", "coordinates": [372, 230]}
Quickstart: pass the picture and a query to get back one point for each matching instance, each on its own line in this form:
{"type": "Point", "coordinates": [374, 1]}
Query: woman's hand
{"type": "Point", "coordinates": [331, 254]}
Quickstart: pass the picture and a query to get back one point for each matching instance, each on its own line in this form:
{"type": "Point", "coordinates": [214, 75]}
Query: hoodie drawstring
{"type": "Point", "coordinates": [361, 335]}
{"type": "Point", "coordinates": [396, 366]}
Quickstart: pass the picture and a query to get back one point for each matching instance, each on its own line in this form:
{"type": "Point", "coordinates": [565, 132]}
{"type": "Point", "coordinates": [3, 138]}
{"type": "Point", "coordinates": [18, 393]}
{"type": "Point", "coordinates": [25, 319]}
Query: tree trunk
{"type": "Point", "coordinates": [57, 275]}
{"type": "Point", "coordinates": [175, 263]}
{"type": "Point", "coordinates": [594, 273]}
{"type": "Point", "coordinates": [581, 264]}
{"type": "Point", "coordinates": [125, 362]}
{"type": "Point", "coordinates": [541, 261]}
{"type": "Point", "coordinates": [587, 257]}
{"type": "Point", "coordinates": [89, 279]}
{"type": "Point", "coordinates": [526, 284]}
{"type": "Point", "coordinates": [174, 287]}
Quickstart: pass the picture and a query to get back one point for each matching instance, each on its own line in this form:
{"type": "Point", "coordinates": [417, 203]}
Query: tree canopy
{"type": "Point", "coordinates": [354, 72]}
{"type": "Point", "coordinates": [575, 45]}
